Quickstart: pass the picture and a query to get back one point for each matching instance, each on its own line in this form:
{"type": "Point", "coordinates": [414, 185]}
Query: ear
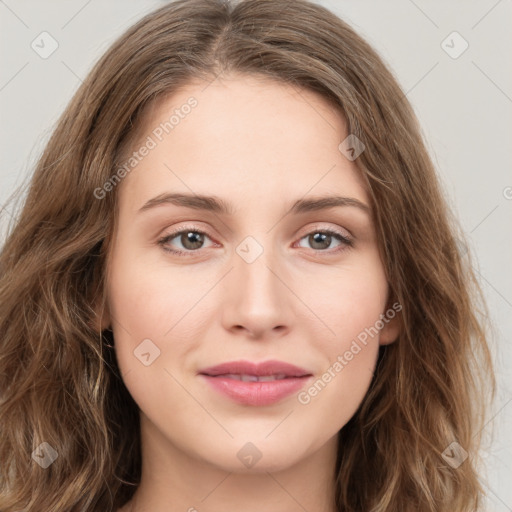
{"type": "Point", "coordinates": [392, 320]}
{"type": "Point", "coordinates": [102, 317]}
{"type": "Point", "coordinates": [104, 320]}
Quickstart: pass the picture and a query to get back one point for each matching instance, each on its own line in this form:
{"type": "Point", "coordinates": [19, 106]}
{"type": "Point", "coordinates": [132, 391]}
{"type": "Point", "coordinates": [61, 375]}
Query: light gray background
{"type": "Point", "coordinates": [464, 105]}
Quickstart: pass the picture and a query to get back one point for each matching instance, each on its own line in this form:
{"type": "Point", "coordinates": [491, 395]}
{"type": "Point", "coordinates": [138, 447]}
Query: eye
{"type": "Point", "coordinates": [321, 239]}
{"type": "Point", "coordinates": [192, 240]}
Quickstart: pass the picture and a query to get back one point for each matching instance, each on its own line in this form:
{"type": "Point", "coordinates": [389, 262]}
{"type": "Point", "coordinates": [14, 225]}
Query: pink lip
{"type": "Point", "coordinates": [256, 393]}
{"type": "Point", "coordinates": [271, 367]}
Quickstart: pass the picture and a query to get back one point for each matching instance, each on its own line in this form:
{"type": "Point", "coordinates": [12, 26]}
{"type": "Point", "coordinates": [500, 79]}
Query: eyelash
{"type": "Point", "coordinates": [342, 238]}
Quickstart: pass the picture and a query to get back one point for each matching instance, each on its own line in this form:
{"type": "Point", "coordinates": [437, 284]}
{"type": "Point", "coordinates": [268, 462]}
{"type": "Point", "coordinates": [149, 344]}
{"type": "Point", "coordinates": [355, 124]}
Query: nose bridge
{"type": "Point", "coordinates": [255, 271]}
{"type": "Point", "coordinates": [255, 294]}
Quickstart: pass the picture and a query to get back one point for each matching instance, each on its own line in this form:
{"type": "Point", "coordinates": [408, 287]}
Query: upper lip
{"type": "Point", "coordinates": [265, 368]}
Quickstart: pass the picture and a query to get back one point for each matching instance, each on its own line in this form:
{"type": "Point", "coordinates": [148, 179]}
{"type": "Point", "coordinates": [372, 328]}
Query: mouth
{"type": "Point", "coordinates": [255, 384]}
{"type": "Point", "coordinates": [253, 378]}
{"type": "Point", "coordinates": [250, 370]}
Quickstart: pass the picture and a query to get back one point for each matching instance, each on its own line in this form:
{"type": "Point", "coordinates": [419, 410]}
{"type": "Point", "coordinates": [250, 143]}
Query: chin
{"type": "Point", "coordinates": [256, 456]}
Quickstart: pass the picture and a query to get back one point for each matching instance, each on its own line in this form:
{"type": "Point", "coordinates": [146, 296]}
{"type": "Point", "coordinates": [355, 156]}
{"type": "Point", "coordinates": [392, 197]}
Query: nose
{"type": "Point", "coordinates": [258, 300]}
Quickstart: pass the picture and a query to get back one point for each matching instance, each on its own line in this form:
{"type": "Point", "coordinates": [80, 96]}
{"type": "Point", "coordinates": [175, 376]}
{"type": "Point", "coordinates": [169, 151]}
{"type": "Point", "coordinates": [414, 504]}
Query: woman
{"type": "Point", "coordinates": [235, 283]}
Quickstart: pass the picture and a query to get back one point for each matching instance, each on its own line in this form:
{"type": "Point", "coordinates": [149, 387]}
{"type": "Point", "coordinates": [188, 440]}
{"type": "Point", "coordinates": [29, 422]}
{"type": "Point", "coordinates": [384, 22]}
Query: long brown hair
{"type": "Point", "coordinates": [59, 380]}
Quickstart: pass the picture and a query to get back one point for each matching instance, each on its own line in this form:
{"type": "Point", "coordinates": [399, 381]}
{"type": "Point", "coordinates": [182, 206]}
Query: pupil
{"type": "Point", "coordinates": [192, 240]}
{"type": "Point", "coordinates": [320, 238]}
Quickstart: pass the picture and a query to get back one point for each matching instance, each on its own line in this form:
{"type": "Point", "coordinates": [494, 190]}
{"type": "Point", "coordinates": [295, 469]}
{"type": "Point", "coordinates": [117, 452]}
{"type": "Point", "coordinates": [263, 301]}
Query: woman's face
{"type": "Point", "coordinates": [259, 278]}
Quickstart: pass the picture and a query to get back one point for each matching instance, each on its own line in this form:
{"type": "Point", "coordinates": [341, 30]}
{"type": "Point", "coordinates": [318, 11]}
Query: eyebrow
{"type": "Point", "coordinates": [218, 205]}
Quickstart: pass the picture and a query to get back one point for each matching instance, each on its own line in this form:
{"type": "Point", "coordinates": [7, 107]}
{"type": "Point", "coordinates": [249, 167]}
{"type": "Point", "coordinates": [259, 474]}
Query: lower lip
{"type": "Point", "coordinates": [256, 393]}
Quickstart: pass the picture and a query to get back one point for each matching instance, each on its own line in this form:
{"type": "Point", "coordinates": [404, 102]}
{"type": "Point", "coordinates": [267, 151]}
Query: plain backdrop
{"type": "Point", "coordinates": [460, 86]}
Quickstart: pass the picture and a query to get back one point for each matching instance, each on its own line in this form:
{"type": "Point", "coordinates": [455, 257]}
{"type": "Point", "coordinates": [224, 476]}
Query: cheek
{"type": "Point", "coordinates": [350, 356]}
{"type": "Point", "coordinates": [354, 297]}
{"type": "Point", "coordinates": [143, 311]}
{"type": "Point", "coordinates": [150, 308]}
{"type": "Point", "coordinates": [351, 309]}
{"type": "Point", "coordinates": [145, 299]}
{"type": "Point", "coordinates": [356, 316]}
{"type": "Point", "coordinates": [334, 396]}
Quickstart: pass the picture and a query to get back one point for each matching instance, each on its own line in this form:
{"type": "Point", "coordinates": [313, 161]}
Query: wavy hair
{"type": "Point", "coordinates": [59, 379]}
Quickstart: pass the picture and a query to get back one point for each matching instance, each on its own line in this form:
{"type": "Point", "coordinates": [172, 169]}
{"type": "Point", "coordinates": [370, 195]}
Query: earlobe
{"type": "Point", "coordinates": [101, 320]}
{"type": "Point", "coordinates": [105, 322]}
{"type": "Point", "coordinates": [391, 330]}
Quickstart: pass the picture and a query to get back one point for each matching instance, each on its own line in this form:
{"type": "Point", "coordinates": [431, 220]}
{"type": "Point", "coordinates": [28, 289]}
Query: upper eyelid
{"type": "Point", "coordinates": [309, 230]}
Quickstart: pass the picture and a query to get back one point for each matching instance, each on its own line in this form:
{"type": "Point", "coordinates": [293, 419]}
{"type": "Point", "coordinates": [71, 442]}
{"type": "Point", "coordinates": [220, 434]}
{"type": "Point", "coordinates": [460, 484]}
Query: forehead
{"type": "Point", "coordinates": [250, 135]}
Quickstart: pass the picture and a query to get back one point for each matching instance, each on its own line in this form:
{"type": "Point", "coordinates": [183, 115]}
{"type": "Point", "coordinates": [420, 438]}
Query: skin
{"type": "Point", "coordinates": [259, 145]}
